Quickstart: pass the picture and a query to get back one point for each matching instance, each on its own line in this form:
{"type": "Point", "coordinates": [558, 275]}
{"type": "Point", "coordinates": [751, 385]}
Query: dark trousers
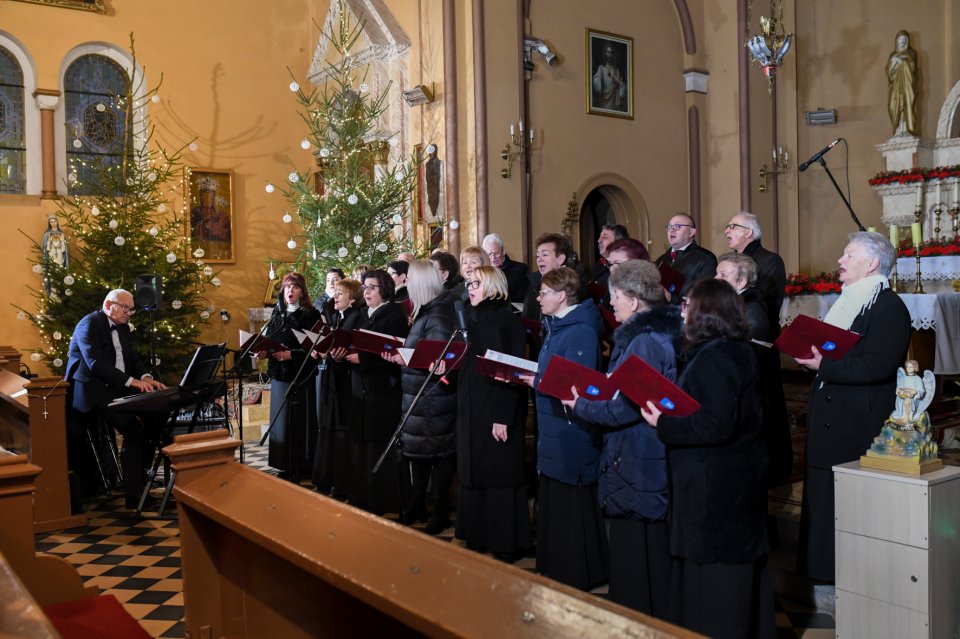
{"type": "Point", "coordinates": [815, 555]}
{"type": "Point", "coordinates": [438, 471]}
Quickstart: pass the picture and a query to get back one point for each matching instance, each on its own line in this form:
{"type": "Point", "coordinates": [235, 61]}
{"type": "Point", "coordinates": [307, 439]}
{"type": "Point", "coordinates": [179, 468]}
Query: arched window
{"type": "Point", "coordinates": [13, 146]}
{"type": "Point", "coordinates": [96, 118]}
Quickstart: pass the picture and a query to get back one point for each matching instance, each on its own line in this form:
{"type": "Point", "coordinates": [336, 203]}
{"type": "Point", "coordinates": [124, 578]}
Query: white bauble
{"type": "Point", "coordinates": [294, 87]}
{"type": "Point", "coordinates": [37, 268]}
{"type": "Point", "coordinates": [68, 292]}
{"type": "Point", "coordinates": [176, 304]}
{"type": "Point", "coordinates": [199, 253]}
{"type": "Point", "coordinates": [154, 231]}
{"type": "Point", "coordinates": [398, 176]}
{"type": "Point", "coordinates": [292, 244]}
{"type": "Point", "coordinates": [382, 247]}
{"type": "Point", "coordinates": [155, 99]}
{"type": "Point", "coordinates": [324, 153]}
{"type": "Point", "coordinates": [113, 224]}
{"type": "Point", "coordinates": [35, 357]}
{"type": "Point", "coordinates": [358, 239]}
{"type": "Point", "coordinates": [269, 188]}
{"type": "Point", "coordinates": [119, 240]}
{"type": "Point", "coordinates": [352, 199]}
{"type": "Point", "coordinates": [152, 176]}
{"type": "Point", "coordinates": [57, 335]}
{"type": "Point", "coordinates": [204, 314]}
{"type": "Point", "coordinates": [287, 218]}
{"type": "Point", "coordinates": [343, 252]}
{"type": "Point", "coordinates": [193, 146]}
{"type": "Point", "coordinates": [94, 210]}
{"type": "Point", "coordinates": [304, 144]}
{"type": "Point", "coordinates": [171, 257]}
{"type": "Point", "coordinates": [21, 315]}
{"type": "Point", "coordinates": [397, 218]}
{"type": "Point", "coordinates": [364, 88]}
{"type": "Point", "coordinates": [215, 281]}
{"type": "Point", "coordinates": [68, 280]}
{"type": "Point", "coordinates": [454, 224]}
{"type": "Point", "coordinates": [101, 107]}
{"type": "Point", "coordinates": [161, 208]}
{"type": "Point", "coordinates": [77, 144]}
{"type": "Point", "coordinates": [208, 270]}
{"type": "Point", "coordinates": [293, 177]}
{"type": "Point", "coordinates": [58, 362]}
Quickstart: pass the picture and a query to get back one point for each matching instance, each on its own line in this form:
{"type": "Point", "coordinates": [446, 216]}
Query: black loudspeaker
{"type": "Point", "coordinates": [148, 294]}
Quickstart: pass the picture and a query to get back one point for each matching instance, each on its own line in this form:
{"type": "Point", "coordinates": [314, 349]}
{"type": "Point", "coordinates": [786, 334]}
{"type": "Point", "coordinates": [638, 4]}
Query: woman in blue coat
{"type": "Point", "coordinates": [571, 540]}
{"type": "Point", "coordinates": [633, 466]}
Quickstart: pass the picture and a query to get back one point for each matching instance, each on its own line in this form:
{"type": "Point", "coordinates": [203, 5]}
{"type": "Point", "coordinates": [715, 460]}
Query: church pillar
{"type": "Point", "coordinates": [47, 100]}
{"type": "Point", "coordinates": [452, 181]}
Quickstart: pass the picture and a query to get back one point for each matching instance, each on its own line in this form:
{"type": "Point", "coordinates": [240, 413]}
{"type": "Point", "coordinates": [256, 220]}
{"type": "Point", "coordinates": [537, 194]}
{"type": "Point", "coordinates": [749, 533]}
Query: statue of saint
{"type": "Point", "coordinates": [902, 77]}
{"type": "Point", "coordinates": [54, 244]}
{"type": "Point", "coordinates": [907, 433]}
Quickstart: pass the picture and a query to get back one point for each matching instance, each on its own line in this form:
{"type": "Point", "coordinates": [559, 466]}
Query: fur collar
{"type": "Point", "coordinates": [659, 319]}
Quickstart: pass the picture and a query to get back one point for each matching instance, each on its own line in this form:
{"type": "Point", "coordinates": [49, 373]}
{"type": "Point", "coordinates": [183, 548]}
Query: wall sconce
{"type": "Point", "coordinates": [781, 162]}
{"type": "Point", "coordinates": [517, 147]}
{"type": "Point", "coordinates": [418, 95]}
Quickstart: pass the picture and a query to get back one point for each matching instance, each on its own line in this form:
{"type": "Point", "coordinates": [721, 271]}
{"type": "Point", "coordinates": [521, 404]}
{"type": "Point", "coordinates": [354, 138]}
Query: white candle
{"type": "Point", "coordinates": [920, 195]}
{"type": "Point", "coordinates": [938, 193]}
{"type": "Point", "coordinates": [521, 125]}
{"type": "Point", "coordinates": [956, 193]}
{"type": "Point", "coordinates": [511, 129]}
{"type": "Point", "coordinates": [531, 136]}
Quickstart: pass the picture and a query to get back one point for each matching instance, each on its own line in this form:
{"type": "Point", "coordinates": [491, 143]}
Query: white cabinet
{"type": "Point", "coordinates": [898, 553]}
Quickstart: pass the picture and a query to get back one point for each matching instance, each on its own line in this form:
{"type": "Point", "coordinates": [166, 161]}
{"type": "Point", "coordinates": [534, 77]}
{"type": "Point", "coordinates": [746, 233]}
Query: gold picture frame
{"type": "Point", "coordinates": [95, 6]}
{"type": "Point", "coordinates": [209, 219]}
{"type": "Point", "coordinates": [609, 74]}
{"type": "Point", "coordinates": [280, 271]}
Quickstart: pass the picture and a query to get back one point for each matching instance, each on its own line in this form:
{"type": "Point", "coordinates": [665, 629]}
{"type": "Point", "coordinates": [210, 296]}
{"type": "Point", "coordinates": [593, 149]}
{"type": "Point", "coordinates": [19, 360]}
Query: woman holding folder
{"type": "Point", "coordinates": [571, 540]}
{"type": "Point", "coordinates": [717, 461]}
{"type": "Point", "coordinates": [633, 467]}
{"type": "Point", "coordinates": [492, 512]}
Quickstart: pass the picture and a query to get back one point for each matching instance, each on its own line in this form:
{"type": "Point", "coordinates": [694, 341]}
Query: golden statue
{"type": "Point", "coordinates": [902, 77]}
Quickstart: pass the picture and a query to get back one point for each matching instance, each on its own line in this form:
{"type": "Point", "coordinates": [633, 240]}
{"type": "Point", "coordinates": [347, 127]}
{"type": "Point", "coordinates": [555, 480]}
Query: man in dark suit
{"type": "Point", "coordinates": [102, 366]}
{"type": "Point", "coordinates": [610, 233]}
{"type": "Point", "coordinates": [515, 272]}
{"type": "Point", "coordinates": [685, 255]}
{"type": "Point", "coordinates": [743, 235]}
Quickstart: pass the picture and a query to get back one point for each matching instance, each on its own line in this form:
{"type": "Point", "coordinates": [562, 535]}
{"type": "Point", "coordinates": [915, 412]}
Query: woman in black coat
{"type": "Point", "coordinates": [717, 461]}
{"type": "Point", "coordinates": [331, 466]}
{"type": "Point", "coordinates": [428, 437]}
{"type": "Point", "coordinates": [293, 434]}
{"type": "Point", "coordinates": [375, 405]}
{"type": "Point", "coordinates": [492, 511]}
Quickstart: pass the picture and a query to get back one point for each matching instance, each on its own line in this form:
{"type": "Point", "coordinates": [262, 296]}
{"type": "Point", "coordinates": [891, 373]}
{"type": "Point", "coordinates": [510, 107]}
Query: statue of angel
{"type": "Point", "coordinates": [914, 395]}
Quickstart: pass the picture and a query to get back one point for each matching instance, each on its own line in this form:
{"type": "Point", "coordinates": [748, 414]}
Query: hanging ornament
{"type": "Point", "coordinates": [352, 199]}
{"type": "Point", "coordinates": [171, 257]}
{"type": "Point", "coordinates": [358, 239]}
{"type": "Point", "coordinates": [199, 253]}
{"type": "Point", "coordinates": [57, 335]}
{"type": "Point", "coordinates": [35, 357]}
{"type": "Point", "coordinates": [58, 362]}
{"type": "Point", "coordinates": [382, 247]}
{"type": "Point", "coordinates": [21, 315]}
{"type": "Point", "coordinates": [176, 304]}
{"type": "Point", "coordinates": [304, 144]}
{"type": "Point", "coordinates": [37, 268]}
{"type": "Point", "coordinates": [73, 177]}
{"type": "Point", "coordinates": [154, 231]}
{"type": "Point", "coordinates": [293, 177]}
{"type": "Point", "coordinates": [113, 224]}
{"type": "Point", "coordinates": [204, 314]}
{"type": "Point", "coordinates": [398, 176]}
{"type": "Point", "coordinates": [314, 253]}
{"type": "Point", "coordinates": [155, 99]}
{"type": "Point", "coordinates": [343, 252]}
{"type": "Point", "coordinates": [292, 244]}
{"type": "Point", "coordinates": [318, 220]}
{"type": "Point", "coordinates": [132, 327]}
{"type": "Point", "coordinates": [119, 240]}
{"type": "Point", "coordinates": [269, 188]}
{"type": "Point", "coordinates": [152, 176]}
{"type": "Point", "coordinates": [68, 292]}
{"type": "Point", "coordinates": [324, 153]}
{"type": "Point", "coordinates": [95, 210]}
{"type": "Point", "coordinates": [294, 87]}
{"type": "Point", "coordinates": [193, 146]}
{"type": "Point", "coordinates": [271, 274]}
{"type": "Point", "coordinates": [68, 280]}
{"type": "Point", "coordinates": [208, 270]}
{"type": "Point", "coordinates": [397, 218]}
{"type": "Point", "coordinates": [77, 144]}
{"type": "Point", "coordinates": [101, 107]}
{"type": "Point", "coordinates": [215, 281]}
{"type": "Point", "coordinates": [287, 218]}
{"type": "Point", "coordinates": [364, 88]}
{"type": "Point", "coordinates": [454, 224]}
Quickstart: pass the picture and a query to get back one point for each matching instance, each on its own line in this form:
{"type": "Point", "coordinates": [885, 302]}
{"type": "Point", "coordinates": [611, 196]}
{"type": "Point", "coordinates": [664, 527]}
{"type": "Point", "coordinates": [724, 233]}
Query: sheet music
{"type": "Point", "coordinates": [406, 354]}
{"type": "Point", "coordinates": [511, 360]}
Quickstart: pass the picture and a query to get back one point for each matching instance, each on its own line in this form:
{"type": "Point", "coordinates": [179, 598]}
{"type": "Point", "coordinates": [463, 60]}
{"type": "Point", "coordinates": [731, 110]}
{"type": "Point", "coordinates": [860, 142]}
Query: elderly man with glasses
{"type": "Point", "coordinates": [685, 255]}
{"type": "Point", "coordinates": [743, 235]}
{"type": "Point", "coordinates": [102, 366]}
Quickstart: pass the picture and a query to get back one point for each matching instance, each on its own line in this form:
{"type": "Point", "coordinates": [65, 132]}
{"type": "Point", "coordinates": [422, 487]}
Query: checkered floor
{"type": "Point", "coordinates": [138, 561]}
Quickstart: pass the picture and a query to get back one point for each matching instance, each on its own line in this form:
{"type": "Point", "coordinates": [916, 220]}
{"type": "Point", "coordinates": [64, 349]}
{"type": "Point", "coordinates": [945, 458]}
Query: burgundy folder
{"type": "Point", "coordinates": [339, 338]}
{"type": "Point", "coordinates": [804, 332]}
{"type": "Point", "coordinates": [491, 365]}
{"type": "Point", "coordinates": [561, 374]}
{"type": "Point", "coordinates": [254, 343]}
{"type": "Point", "coordinates": [610, 322]}
{"type": "Point", "coordinates": [671, 279]}
{"type": "Point", "coordinates": [597, 291]}
{"type": "Point", "coordinates": [376, 343]}
{"type": "Point", "coordinates": [427, 351]}
{"type": "Point", "coordinates": [532, 328]}
{"type": "Point", "coordinates": [642, 383]}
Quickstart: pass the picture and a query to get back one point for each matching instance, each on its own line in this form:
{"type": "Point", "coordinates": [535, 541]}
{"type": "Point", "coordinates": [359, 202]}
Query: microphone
{"type": "Point", "coordinates": [461, 320]}
{"type": "Point", "coordinates": [819, 154]}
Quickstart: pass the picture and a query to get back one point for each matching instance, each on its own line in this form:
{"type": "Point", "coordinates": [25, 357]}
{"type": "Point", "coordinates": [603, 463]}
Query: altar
{"type": "Point", "coordinates": [937, 310]}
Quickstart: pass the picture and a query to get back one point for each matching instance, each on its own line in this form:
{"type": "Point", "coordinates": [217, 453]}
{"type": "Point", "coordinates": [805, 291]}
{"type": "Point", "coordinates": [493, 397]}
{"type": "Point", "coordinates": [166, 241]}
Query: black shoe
{"type": "Point", "coordinates": [438, 523]}
{"type": "Point", "coordinates": [507, 557]}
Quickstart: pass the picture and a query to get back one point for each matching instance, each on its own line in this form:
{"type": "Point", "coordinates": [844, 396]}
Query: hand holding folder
{"type": "Point", "coordinates": [428, 351]}
{"type": "Point", "coordinates": [805, 332]}
{"type": "Point", "coordinates": [505, 367]}
{"type": "Point", "coordinates": [642, 383]}
{"type": "Point", "coordinates": [562, 374]}
{"type": "Point", "coordinates": [255, 343]}
{"type": "Point", "coordinates": [376, 343]}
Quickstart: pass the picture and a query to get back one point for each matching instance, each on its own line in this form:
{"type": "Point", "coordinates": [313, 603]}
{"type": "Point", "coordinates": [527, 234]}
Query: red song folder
{"type": "Point", "coordinates": [804, 332]}
{"type": "Point", "coordinates": [502, 366]}
{"type": "Point", "coordinates": [427, 351]}
{"type": "Point", "coordinates": [254, 343]}
{"type": "Point", "coordinates": [671, 279]}
{"type": "Point", "coordinates": [642, 383]}
{"type": "Point", "coordinates": [597, 291]}
{"type": "Point", "coordinates": [374, 342]}
{"type": "Point", "coordinates": [561, 374]}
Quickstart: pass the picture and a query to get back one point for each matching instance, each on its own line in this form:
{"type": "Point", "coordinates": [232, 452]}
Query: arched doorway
{"type": "Point", "coordinates": [595, 212]}
{"type": "Point", "coordinates": [609, 199]}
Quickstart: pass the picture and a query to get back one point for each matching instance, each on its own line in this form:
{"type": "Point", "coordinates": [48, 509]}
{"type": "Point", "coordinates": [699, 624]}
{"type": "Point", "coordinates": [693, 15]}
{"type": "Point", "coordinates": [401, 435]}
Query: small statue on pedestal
{"type": "Point", "coordinates": [905, 443]}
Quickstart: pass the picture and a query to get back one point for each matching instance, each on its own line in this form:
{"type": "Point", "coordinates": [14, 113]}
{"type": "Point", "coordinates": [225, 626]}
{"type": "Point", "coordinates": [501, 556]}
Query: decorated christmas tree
{"type": "Point", "coordinates": [350, 208]}
{"type": "Point", "coordinates": [126, 226]}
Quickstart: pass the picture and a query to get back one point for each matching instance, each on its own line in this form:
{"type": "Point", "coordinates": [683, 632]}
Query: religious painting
{"type": "Point", "coordinates": [210, 220]}
{"type": "Point", "coordinates": [430, 195]}
{"type": "Point", "coordinates": [272, 292]}
{"type": "Point", "coordinates": [96, 6]}
{"type": "Point", "coordinates": [609, 74]}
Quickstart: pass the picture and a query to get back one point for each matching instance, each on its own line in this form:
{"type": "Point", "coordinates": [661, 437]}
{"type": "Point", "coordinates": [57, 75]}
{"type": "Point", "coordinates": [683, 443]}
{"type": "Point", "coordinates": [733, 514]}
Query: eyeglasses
{"type": "Point", "coordinates": [733, 225]}
{"type": "Point", "coordinates": [129, 310]}
{"type": "Point", "coordinates": [676, 227]}
{"type": "Point", "coordinates": [547, 292]}
{"type": "Point", "coordinates": [612, 263]}
{"type": "Point", "coordinates": [369, 287]}
{"type": "Point", "coordinates": [684, 303]}
{"type": "Point", "coordinates": [471, 284]}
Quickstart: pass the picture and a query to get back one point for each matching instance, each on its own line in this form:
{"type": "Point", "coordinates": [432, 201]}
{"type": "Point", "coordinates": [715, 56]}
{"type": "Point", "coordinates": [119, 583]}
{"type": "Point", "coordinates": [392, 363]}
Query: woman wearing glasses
{"type": "Point", "coordinates": [428, 437]}
{"type": "Point", "coordinates": [571, 540]}
{"type": "Point", "coordinates": [293, 434]}
{"type": "Point", "coordinates": [492, 512]}
{"type": "Point", "coordinates": [717, 460]}
{"type": "Point", "coordinates": [375, 404]}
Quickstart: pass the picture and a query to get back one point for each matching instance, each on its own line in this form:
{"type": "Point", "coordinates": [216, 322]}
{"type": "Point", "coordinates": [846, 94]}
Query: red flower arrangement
{"type": "Point", "coordinates": [943, 247]}
{"type": "Point", "coordinates": [803, 284]}
{"type": "Point", "coordinates": [911, 176]}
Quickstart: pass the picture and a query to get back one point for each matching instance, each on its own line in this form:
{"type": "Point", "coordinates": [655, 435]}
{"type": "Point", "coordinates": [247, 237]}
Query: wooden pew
{"type": "Point", "coordinates": [264, 558]}
{"type": "Point", "coordinates": [33, 417]}
{"type": "Point", "coordinates": [10, 359]}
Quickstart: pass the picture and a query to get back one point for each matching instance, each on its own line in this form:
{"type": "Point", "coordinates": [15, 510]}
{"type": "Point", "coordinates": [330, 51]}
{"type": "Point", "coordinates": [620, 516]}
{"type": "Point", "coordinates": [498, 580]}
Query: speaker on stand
{"type": "Point", "coordinates": [148, 296]}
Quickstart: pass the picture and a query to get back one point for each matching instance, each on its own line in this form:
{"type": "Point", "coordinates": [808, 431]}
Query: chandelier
{"type": "Point", "coordinates": [769, 46]}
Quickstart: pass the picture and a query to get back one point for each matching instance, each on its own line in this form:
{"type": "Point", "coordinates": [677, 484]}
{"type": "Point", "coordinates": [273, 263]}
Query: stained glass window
{"type": "Point", "coordinates": [97, 130]}
{"type": "Point", "coordinates": [12, 139]}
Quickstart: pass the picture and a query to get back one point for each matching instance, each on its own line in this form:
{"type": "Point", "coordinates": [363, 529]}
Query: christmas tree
{"type": "Point", "coordinates": [124, 228]}
{"type": "Point", "coordinates": [352, 208]}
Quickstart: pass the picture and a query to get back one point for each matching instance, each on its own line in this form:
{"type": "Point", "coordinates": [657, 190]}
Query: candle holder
{"type": "Point", "coordinates": [517, 147]}
{"type": "Point", "coordinates": [954, 213]}
{"type": "Point", "coordinates": [919, 286]}
{"type": "Point", "coordinates": [894, 284]}
{"type": "Point", "coordinates": [917, 214]}
{"type": "Point", "coordinates": [938, 210]}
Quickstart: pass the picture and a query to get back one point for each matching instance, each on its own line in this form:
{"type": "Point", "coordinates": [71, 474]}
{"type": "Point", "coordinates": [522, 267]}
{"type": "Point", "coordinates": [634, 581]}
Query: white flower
{"type": "Point", "coordinates": [198, 253]}
{"type": "Point", "coordinates": [35, 357]}
{"type": "Point", "coordinates": [57, 335]}
{"type": "Point", "coordinates": [37, 268]}
{"type": "Point", "coordinates": [155, 99]}
{"type": "Point", "coordinates": [294, 87]}
{"type": "Point", "coordinates": [161, 208]}
{"type": "Point", "coordinates": [113, 224]}
{"type": "Point", "coordinates": [95, 210]}
{"type": "Point", "coordinates": [176, 304]}
{"type": "Point", "coordinates": [21, 315]}
{"type": "Point", "coordinates": [364, 88]}
{"type": "Point", "coordinates": [293, 177]}
{"type": "Point", "coordinates": [154, 231]}
{"type": "Point", "coordinates": [68, 280]}
{"type": "Point", "coordinates": [304, 144]}
{"type": "Point", "coordinates": [171, 257]}
{"type": "Point", "coordinates": [204, 314]}
{"type": "Point", "coordinates": [343, 252]}
{"type": "Point", "coordinates": [215, 281]}
{"type": "Point", "coordinates": [58, 362]}
{"type": "Point", "coordinates": [193, 146]}
{"type": "Point", "coordinates": [454, 224]}
{"type": "Point", "coordinates": [382, 247]}
{"type": "Point", "coordinates": [292, 244]}
{"type": "Point", "coordinates": [397, 218]}
{"type": "Point", "coordinates": [287, 218]}
{"type": "Point", "coordinates": [152, 176]}
{"type": "Point", "coordinates": [77, 144]}
{"type": "Point", "coordinates": [352, 199]}
{"type": "Point", "coordinates": [269, 188]}
{"type": "Point", "coordinates": [324, 153]}
{"type": "Point", "coordinates": [358, 239]}
{"type": "Point", "coordinates": [208, 270]}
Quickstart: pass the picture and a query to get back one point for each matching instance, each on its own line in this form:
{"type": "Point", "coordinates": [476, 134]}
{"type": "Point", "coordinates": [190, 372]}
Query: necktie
{"type": "Point", "coordinates": [673, 255]}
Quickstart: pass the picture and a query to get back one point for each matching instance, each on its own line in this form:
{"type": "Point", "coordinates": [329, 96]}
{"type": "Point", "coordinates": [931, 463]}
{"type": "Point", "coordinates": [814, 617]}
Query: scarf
{"type": "Point", "coordinates": [855, 299]}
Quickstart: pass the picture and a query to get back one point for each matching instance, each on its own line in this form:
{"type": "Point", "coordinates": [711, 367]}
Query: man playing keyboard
{"type": "Point", "coordinates": [103, 366]}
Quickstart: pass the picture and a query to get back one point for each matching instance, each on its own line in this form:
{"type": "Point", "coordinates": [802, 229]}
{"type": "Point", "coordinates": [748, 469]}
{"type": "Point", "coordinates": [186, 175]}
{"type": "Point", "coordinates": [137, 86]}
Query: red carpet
{"type": "Point", "coordinates": [94, 618]}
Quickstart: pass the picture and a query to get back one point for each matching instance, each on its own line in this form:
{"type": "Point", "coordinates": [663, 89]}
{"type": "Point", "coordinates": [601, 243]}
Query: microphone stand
{"type": "Point", "coordinates": [853, 215]}
{"type": "Point", "coordinates": [286, 396]}
{"type": "Point", "coordinates": [237, 371]}
{"type": "Point", "coordinates": [396, 433]}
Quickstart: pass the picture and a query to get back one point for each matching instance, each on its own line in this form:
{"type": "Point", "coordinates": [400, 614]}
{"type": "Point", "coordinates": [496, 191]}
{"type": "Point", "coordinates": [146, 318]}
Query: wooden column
{"type": "Point", "coordinates": [452, 178]}
{"type": "Point", "coordinates": [480, 128]}
{"type": "Point", "coordinates": [47, 100]}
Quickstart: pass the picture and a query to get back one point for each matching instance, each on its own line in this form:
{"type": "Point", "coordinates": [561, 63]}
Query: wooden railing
{"type": "Point", "coordinates": [264, 558]}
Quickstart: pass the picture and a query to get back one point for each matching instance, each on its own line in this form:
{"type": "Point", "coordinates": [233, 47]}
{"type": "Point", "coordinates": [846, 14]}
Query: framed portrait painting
{"type": "Point", "coordinates": [210, 221]}
{"type": "Point", "coordinates": [609, 74]}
